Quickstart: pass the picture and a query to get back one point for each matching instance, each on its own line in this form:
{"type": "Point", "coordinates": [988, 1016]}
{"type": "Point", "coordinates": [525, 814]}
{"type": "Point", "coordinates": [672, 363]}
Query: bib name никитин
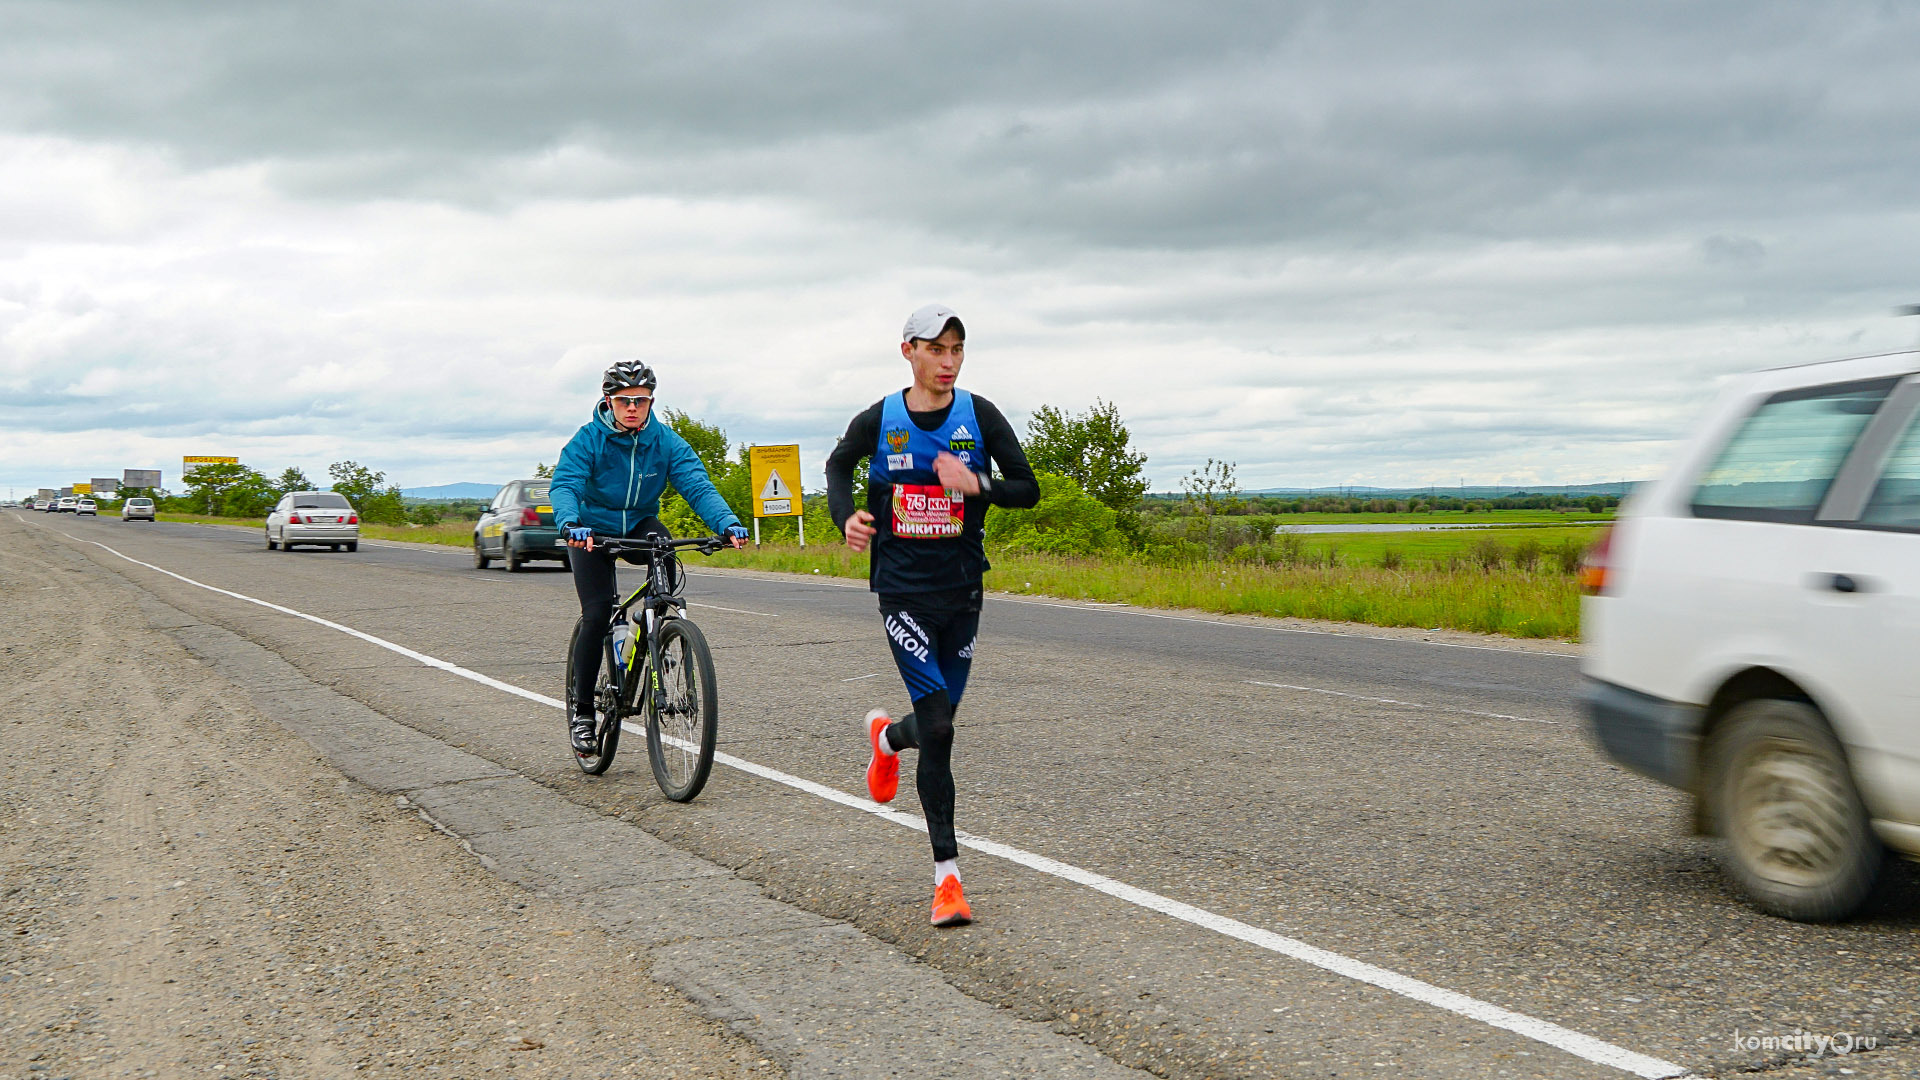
{"type": "Point", "coordinates": [921, 507]}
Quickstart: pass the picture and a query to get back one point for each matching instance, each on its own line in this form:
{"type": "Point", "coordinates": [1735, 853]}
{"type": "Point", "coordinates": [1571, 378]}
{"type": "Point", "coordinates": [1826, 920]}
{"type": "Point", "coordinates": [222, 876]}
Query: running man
{"type": "Point", "coordinates": [608, 483]}
{"type": "Point", "coordinates": [928, 489]}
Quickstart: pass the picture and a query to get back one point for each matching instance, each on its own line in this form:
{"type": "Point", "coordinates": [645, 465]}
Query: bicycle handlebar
{"type": "Point", "coordinates": [614, 545]}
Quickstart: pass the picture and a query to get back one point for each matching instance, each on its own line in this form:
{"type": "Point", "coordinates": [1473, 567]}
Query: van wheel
{"type": "Point", "coordinates": [1795, 835]}
{"type": "Point", "coordinates": [270, 544]}
{"type": "Point", "coordinates": [513, 561]}
{"type": "Point", "coordinates": [353, 545]}
{"type": "Point", "coordinates": [480, 559]}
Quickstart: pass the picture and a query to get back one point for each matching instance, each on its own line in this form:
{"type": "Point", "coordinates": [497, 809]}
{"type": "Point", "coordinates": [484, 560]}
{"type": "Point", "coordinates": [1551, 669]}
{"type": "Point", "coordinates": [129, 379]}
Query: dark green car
{"type": "Point", "coordinates": [517, 527]}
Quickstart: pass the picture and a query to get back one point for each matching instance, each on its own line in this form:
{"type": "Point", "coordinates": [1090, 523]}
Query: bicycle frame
{"type": "Point", "coordinates": [655, 609]}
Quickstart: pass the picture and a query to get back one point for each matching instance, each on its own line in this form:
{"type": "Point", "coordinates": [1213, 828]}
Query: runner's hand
{"type": "Point", "coordinates": [738, 534]}
{"type": "Point", "coordinates": [580, 537]}
{"type": "Point", "coordinates": [859, 529]}
{"type": "Point", "coordinates": [954, 473]}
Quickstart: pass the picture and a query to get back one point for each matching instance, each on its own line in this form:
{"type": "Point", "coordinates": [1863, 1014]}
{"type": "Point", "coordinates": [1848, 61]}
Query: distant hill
{"type": "Point", "coordinates": [452, 491]}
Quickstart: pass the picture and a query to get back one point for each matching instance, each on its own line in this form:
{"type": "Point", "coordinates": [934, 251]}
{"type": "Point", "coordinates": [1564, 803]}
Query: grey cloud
{"type": "Point", "coordinates": [1139, 125]}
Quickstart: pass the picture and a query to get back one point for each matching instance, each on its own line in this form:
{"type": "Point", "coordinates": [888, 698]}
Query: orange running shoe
{"type": "Point", "coordinates": [950, 904]}
{"type": "Point", "coordinates": [883, 771]}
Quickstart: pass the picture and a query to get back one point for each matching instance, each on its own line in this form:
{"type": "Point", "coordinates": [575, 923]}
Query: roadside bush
{"type": "Point", "coordinates": [1067, 521]}
{"type": "Point", "coordinates": [1567, 555]}
{"type": "Point", "coordinates": [1526, 554]}
{"type": "Point", "coordinates": [1489, 554]}
{"type": "Point", "coordinates": [424, 514]}
{"type": "Point", "coordinates": [1391, 559]}
{"type": "Point", "coordinates": [1290, 547]}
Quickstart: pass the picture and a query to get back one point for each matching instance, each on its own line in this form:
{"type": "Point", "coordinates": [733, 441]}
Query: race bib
{"type": "Point", "coordinates": [927, 512]}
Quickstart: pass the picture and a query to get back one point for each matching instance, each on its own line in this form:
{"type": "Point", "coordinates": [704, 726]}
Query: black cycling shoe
{"type": "Point", "coordinates": [583, 730]}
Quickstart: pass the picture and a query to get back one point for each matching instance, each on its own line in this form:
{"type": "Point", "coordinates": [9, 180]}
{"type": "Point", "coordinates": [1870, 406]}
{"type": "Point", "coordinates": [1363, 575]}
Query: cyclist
{"type": "Point", "coordinates": [608, 483]}
{"type": "Point", "coordinates": [928, 488]}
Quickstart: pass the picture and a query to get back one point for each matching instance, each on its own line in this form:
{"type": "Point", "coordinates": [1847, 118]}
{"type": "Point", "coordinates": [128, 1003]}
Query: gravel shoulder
{"type": "Point", "coordinates": [190, 891]}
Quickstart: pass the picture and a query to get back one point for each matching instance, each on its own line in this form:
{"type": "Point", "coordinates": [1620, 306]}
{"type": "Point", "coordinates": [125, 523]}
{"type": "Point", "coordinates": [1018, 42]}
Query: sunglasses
{"type": "Point", "coordinates": [632, 401]}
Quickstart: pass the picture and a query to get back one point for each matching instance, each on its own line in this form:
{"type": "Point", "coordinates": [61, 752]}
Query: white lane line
{"type": "Point", "coordinates": [857, 678]}
{"type": "Point", "coordinates": [735, 610]}
{"type": "Point", "coordinates": [1396, 701]}
{"type": "Point", "coordinates": [1573, 1042]}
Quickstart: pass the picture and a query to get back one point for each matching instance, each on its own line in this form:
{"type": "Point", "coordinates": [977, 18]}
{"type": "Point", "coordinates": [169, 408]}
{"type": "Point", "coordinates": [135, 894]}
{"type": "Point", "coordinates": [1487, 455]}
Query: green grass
{"type": "Point", "coordinates": [1442, 583]}
{"type": "Point", "coordinates": [1430, 579]}
{"type": "Point", "coordinates": [1449, 517]}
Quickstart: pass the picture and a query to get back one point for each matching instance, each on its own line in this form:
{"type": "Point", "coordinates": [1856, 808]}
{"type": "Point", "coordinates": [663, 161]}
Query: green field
{"type": "Point", "coordinates": [1512, 581]}
{"type": "Point", "coordinates": [1467, 580]}
{"type": "Point", "coordinates": [1450, 517]}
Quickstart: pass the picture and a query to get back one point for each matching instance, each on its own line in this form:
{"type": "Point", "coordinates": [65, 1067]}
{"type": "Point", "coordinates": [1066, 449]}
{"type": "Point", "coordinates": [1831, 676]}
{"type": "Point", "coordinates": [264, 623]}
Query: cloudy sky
{"type": "Point", "coordinates": [1388, 243]}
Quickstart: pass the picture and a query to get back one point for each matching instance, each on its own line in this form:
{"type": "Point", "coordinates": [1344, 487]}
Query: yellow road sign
{"type": "Point", "coordinates": [83, 489]}
{"type": "Point", "coordinates": [774, 476]}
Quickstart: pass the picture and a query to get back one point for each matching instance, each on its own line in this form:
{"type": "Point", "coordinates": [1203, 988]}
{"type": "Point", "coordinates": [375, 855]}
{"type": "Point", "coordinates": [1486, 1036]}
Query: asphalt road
{"type": "Point", "coordinates": [1430, 809]}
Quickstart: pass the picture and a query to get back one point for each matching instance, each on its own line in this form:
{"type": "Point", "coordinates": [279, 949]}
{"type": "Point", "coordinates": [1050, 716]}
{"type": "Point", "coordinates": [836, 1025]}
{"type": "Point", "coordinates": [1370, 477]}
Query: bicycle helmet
{"type": "Point", "coordinates": [627, 373]}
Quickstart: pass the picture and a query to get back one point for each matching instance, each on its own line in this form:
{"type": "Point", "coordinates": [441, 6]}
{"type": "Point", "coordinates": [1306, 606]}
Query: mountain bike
{"type": "Point", "coordinates": [657, 666]}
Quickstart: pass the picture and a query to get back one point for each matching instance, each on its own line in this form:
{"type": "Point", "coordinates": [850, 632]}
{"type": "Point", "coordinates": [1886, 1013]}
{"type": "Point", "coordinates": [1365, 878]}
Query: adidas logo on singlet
{"type": "Point", "coordinates": [961, 432]}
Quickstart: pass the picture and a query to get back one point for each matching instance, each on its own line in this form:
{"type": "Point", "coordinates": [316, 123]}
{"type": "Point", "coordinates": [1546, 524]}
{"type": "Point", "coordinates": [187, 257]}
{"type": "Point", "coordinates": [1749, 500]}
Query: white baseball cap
{"type": "Point", "coordinates": [929, 323]}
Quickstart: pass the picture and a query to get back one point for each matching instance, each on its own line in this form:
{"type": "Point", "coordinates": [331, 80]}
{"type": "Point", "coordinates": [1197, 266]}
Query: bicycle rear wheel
{"type": "Point", "coordinates": [683, 717]}
{"type": "Point", "coordinates": [606, 706]}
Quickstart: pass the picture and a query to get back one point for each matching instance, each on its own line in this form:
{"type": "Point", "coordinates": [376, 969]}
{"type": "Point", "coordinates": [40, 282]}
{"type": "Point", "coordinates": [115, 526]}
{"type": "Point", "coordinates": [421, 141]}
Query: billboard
{"type": "Point", "coordinates": [65, 491]}
{"type": "Point", "coordinates": [104, 485]}
{"type": "Point", "coordinates": [146, 478]}
{"type": "Point", "coordinates": [46, 495]}
{"type": "Point", "coordinates": [82, 489]}
{"type": "Point", "coordinates": [188, 464]}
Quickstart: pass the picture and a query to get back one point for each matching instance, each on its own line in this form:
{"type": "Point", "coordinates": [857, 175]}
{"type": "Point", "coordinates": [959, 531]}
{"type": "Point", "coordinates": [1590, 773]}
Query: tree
{"type": "Point", "coordinates": [1066, 521]}
{"type": "Point", "coordinates": [730, 477]}
{"type": "Point", "coordinates": [376, 500]}
{"type": "Point", "coordinates": [708, 440]}
{"type": "Point", "coordinates": [354, 480]}
{"type": "Point", "coordinates": [292, 480]}
{"type": "Point", "coordinates": [229, 490]}
{"type": "Point", "coordinates": [543, 471]}
{"type": "Point", "coordinates": [1093, 450]}
{"type": "Point", "coordinates": [1211, 489]}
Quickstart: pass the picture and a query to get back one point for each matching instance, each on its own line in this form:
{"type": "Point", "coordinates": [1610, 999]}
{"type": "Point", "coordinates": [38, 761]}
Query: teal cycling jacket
{"type": "Point", "coordinates": [610, 480]}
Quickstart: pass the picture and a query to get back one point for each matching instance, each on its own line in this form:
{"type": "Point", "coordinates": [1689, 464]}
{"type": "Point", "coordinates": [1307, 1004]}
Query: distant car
{"type": "Point", "coordinates": [86, 506]}
{"type": "Point", "coordinates": [68, 504]}
{"type": "Point", "coordinates": [315, 518]}
{"type": "Point", "coordinates": [136, 510]}
{"type": "Point", "coordinates": [518, 526]}
{"type": "Point", "coordinates": [1752, 636]}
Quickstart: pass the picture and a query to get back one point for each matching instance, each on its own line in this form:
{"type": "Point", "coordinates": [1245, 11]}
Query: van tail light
{"type": "Point", "coordinates": [529, 516]}
{"type": "Point", "coordinates": [1594, 564]}
{"type": "Point", "coordinates": [353, 519]}
{"type": "Point", "coordinates": [295, 519]}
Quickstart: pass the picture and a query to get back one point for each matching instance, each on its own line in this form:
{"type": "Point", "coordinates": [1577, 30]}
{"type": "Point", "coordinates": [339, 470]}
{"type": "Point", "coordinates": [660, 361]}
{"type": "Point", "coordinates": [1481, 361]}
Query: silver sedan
{"type": "Point", "coordinates": [317, 518]}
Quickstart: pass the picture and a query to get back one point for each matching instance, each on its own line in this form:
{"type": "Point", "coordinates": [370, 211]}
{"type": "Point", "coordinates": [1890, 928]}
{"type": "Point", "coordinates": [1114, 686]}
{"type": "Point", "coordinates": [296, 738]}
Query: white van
{"type": "Point", "coordinates": [1754, 633]}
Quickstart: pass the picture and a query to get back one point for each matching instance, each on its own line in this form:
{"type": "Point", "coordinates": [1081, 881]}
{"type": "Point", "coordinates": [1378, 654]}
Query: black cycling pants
{"type": "Point", "coordinates": [934, 651]}
{"type": "Point", "coordinates": [594, 580]}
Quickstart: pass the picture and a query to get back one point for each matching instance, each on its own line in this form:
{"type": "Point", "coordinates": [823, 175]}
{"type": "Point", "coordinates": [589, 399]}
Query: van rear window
{"type": "Point", "coordinates": [321, 500]}
{"type": "Point", "coordinates": [1779, 464]}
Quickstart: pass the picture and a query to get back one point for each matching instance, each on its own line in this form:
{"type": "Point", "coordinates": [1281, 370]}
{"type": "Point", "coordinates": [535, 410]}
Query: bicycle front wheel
{"type": "Point", "coordinates": [683, 713]}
